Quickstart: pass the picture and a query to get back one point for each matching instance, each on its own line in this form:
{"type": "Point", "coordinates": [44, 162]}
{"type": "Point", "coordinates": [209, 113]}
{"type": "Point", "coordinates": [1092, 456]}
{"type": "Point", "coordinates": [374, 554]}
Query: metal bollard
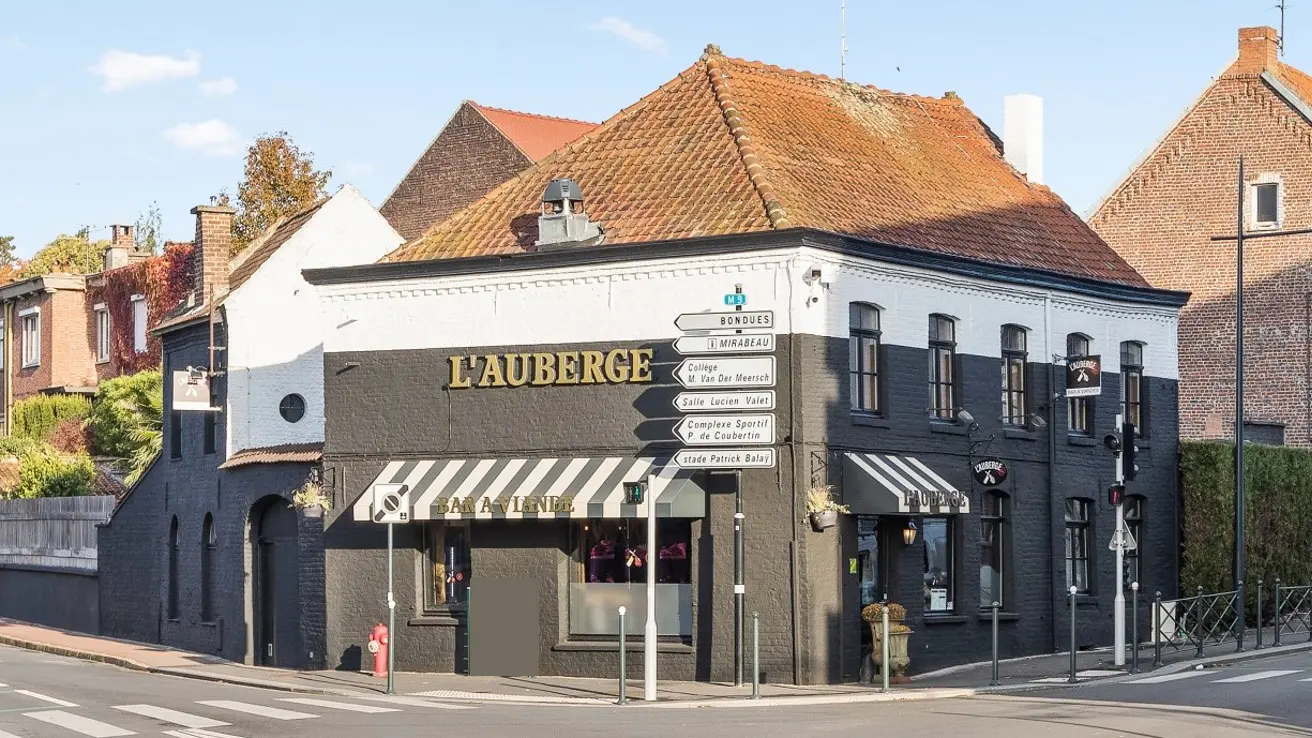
{"type": "Point", "coordinates": [756, 655]}
{"type": "Point", "coordinates": [1198, 621]}
{"type": "Point", "coordinates": [624, 674]}
{"type": "Point", "coordinates": [883, 667]}
{"type": "Point", "coordinates": [1276, 640]}
{"type": "Point", "coordinates": [1241, 615]}
{"type": "Point", "coordinates": [995, 682]}
{"type": "Point", "coordinates": [1134, 628]}
{"type": "Point", "coordinates": [1259, 616]}
{"type": "Point", "coordinates": [1072, 678]}
{"type": "Point", "coordinates": [469, 602]}
{"type": "Point", "coordinates": [1157, 630]}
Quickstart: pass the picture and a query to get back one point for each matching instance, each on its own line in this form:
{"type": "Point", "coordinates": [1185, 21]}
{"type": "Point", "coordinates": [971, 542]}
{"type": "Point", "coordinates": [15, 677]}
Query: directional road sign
{"type": "Point", "coordinates": [735, 299]}
{"type": "Point", "coordinates": [737, 343]}
{"type": "Point", "coordinates": [735, 320]}
{"type": "Point", "coordinates": [736, 371]}
{"type": "Point", "coordinates": [718, 402]}
{"type": "Point", "coordinates": [721, 430]}
{"type": "Point", "coordinates": [725, 458]}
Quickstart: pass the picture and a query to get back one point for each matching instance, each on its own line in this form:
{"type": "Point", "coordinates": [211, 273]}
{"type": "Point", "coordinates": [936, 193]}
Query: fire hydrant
{"type": "Point", "coordinates": [378, 647]}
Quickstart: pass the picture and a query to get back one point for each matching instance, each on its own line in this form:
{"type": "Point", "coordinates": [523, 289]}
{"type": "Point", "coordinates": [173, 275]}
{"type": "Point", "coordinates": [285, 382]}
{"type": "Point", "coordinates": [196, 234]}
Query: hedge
{"type": "Point", "coordinates": [46, 473]}
{"type": "Point", "coordinates": [36, 417]}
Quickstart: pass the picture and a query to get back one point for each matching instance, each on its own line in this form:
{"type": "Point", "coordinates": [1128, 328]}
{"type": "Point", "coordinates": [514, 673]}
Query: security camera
{"type": "Point", "coordinates": [965, 417]}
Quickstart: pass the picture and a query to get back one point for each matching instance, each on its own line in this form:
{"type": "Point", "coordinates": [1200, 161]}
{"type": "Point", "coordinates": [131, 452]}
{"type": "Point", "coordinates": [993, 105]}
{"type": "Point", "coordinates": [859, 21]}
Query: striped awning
{"type": "Point", "coordinates": [520, 488]}
{"type": "Point", "coordinates": [889, 484]}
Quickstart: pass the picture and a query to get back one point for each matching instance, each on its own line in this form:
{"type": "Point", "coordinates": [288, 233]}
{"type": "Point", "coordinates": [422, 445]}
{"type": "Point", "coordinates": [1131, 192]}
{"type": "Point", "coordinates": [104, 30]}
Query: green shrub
{"type": "Point", "coordinates": [45, 473]}
{"type": "Point", "coordinates": [124, 410]}
{"type": "Point", "coordinates": [17, 446]}
{"type": "Point", "coordinates": [36, 417]}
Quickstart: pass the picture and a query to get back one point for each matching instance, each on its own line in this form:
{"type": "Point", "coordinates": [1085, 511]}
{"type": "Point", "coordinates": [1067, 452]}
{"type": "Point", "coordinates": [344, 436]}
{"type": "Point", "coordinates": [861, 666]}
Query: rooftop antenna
{"type": "Point", "coordinates": [842, 52]}
{"type": "Point", "coordinates": [1280, 5]}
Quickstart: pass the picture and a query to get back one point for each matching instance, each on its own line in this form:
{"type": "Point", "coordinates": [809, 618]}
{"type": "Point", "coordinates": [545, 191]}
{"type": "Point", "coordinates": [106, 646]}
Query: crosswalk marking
{"type": "Point", "coordinates": [1169, 677]}
{"type": "Point", "coordinates": [184, 719]}
{"type": "Point", "coordinates": [414, 702]}
{"type": "Point", "coordinates": [78, 724]}
{"type": "Point", "coordinates": [47, 698]}
{"type": "Point", "coordinates": [194, 733]}
{"type": "Point", "coordinates": [246, 707]}
{"type": "Point", "coordinates": [1256, 676]}
{"type": "Point", "coordinates": [7, 735]}
{"type": "Point", "coordinates": [312, 702]}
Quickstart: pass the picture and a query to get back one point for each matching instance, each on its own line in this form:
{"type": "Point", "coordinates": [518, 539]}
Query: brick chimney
{"type": "Point", "coordinates": [1259, 50]}
{"type": "Point", "coordinates": [122, 243]}
{"type": "Point", "coordinates": [213, 248]}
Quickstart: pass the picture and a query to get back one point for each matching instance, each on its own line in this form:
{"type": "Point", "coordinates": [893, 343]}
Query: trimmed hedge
{"type": "Point", "coordinates": [36, 417]}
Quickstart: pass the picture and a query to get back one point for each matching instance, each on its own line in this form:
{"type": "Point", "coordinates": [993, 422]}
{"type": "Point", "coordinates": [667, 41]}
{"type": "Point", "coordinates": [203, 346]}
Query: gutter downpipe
{"type": "Point", "coordinates": [9, 366]}
{"type": "Point", "coordinates": [796, 544]}
{"type": "Point", "coordinates": [1052, 460]}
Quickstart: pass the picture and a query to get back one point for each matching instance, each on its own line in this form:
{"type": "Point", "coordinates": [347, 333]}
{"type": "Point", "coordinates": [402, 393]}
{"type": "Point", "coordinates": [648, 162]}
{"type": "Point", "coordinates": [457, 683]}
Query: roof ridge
{"type": "Point", "coordinates": [802, 75]}
{"type": "Point", "coordinates": [539, 116]}
{"type": "Point", "coordinates": [742, 139]}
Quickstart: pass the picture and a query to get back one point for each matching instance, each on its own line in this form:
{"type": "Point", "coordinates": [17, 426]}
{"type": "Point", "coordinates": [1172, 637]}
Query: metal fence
{"type": "Point", "coordinates": [1198, 622]}
{"type": "Point", "coordinates": [1293, 611]}
{"type": "Point", "coordinates": [52, 532]}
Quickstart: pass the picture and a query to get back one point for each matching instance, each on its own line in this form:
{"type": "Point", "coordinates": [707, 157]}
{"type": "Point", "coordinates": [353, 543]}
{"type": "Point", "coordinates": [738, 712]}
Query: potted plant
{"type": "Point", "coordinates": [899, 635]}
{"type": "Point", "coordinates": [310, 499]}
{"type": "Point", "coordinates": [822, 508]}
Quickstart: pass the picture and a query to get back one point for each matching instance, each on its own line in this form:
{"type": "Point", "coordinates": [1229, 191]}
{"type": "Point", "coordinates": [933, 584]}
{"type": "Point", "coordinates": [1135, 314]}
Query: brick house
{"type": "Point", "coordinates": [1182, 192]}
{"type": "Point", "coordinates": [479, 148]}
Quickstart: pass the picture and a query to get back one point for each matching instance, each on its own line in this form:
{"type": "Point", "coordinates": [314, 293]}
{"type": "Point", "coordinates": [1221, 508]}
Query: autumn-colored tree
{"type": "Point", "coordinates": [9, 263]}
{"type": "Point", "coordinates": [71, 254]}
{"type": "Point", "coordinates": [280, 179]}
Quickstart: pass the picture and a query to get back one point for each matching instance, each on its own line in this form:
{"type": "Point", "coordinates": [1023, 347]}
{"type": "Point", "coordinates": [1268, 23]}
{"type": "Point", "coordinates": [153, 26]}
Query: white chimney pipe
{"type": "Point", "coordinates": [1022, 135]}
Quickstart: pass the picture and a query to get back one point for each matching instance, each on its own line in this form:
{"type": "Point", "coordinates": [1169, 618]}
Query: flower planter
{"type": "Point", "coordinates": [312, 511]}
{"type": "Point", "coordinates": [898, 656]}
{"type": "Point", "coordinates": [823, 520]}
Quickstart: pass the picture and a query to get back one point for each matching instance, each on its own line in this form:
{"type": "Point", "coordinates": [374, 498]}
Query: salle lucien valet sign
{"type": "Point", "coordinates": [542, 369]}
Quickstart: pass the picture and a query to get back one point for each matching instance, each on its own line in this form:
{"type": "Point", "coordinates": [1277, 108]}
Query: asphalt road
{"type": "Point", "coordinates": [53, 697]}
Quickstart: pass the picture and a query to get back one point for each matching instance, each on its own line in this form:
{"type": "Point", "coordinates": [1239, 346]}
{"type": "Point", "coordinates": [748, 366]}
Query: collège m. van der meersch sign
{"type": "Point", "coordinates": [541, 369]}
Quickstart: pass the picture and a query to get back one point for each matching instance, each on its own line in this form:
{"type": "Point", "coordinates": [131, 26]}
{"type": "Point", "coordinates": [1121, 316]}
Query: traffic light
{"type": "Point", "coordinates": [1128, 450]}
{"type": "Point", "coordinates": [634, 492]}
{"type": "Point", "coordinates": [1116, 494]}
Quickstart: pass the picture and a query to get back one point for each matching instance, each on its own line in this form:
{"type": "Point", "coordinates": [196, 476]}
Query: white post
{"type": "Point", "coordinates": [391, 616]}
{"type": "Point", "coordinates": [649, 634]}
{"type": "Point", "coordinates": [1119, 606]}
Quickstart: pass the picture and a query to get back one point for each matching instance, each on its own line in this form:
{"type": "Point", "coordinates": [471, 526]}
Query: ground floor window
{"type": "Point", "coordinates": [610, 569]}
{"type": "Point", "coordinates": [869, 561]}
{"type": "Point", "coordinates": [1077, 544]}
{"type": "Point", "coordinates": [938, 570]}
{"type": "Point", "coordinates": [448, 570]}
{"type": "Point", "coordinates": [992, 525]}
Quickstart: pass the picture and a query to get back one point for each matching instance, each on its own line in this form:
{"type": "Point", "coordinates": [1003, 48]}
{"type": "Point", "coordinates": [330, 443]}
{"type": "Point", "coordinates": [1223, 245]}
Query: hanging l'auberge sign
{"type": "Point", "coordinates": [990, 472]}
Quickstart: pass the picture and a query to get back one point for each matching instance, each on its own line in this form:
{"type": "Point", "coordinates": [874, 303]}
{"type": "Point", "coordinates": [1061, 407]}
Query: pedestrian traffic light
{"type": "Point", "coordinates": [634, 492]}
{"type": "Point", "coordinates": [1128, 449]}
{"type": "Point", "coordinates": [1116, 494]}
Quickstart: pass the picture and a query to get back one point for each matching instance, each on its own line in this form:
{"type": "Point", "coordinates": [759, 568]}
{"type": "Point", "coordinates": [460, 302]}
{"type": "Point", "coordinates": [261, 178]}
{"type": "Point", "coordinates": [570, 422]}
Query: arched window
{"type": "Point", "coordinates": [992, 539]}
{"type": "Point", "coordinates": [1080, 409]}
{"type": "Point", "coordinates": [863, 356]}
{"type": "Point", "coordinates": [173, 569]}
{"type": "Point", "coordinates": [1014, 355]}
{"type": "Point", "coordinates": [1132, 399]}
{"type": "Point", "coordinates": [208, 545]}
{"type": "Point", "coordinates": [942, 367]}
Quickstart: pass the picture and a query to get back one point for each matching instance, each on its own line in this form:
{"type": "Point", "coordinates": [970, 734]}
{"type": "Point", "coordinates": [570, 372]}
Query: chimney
{"type": "Point", "coordinates": [213, 249]}
{"type": "Point", "coordinates": [122, 244]}
{"type": "Point", "coordinates": [563, 221]}
{"type": "Point", "coordinates": [1259, 50]}
{"type": "Point", "coordinates": [1022, 135]}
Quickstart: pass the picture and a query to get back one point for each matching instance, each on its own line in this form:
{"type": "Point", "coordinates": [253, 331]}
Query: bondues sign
{"type": "Point", "coordinates": [617, 366]}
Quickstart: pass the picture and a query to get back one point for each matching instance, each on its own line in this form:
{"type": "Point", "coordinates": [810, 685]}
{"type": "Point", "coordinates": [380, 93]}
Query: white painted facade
{"type": "Point", "coordinates": [274, 338]}
{"type": "Point", "coordinates": [638, 301]}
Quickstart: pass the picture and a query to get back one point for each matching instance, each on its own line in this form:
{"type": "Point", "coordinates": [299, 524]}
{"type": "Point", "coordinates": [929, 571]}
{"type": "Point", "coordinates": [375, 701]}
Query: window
{"type": "Point", "coordinates": [292, 408]}
{"type": "Point", "coordinates": [1134, 523]}
{"type": "Point", "coordinates": [211, 431]}
{"type": "Point", "coordinates": [175, 434]}
{"type": "Point", "coordinates": [139, 323]}
{"type": "Point", "coordinates": [1077, 545]}
{"type": "Point", "coordinates": [32, 340]}
{"type": "Point", "coordinates": [869, 559]}
{"type": "Point", "coordinates": [1013, 375]}
{"type": "Point", "coordinates": [942, 356]}
{"type": "Point", "coordinates": [1132, 384]}
{"type": "Point", "coordinates": [938, 578]}
{"type": "Point", "coordinates": [1080, 415]}
{"type": "Point", "coordinates": [173, 570]}
{"type": "Point", "coordinates": [863, 358]}
{"type": "Point", "coordinates": [209, 543]}
{"type": "Point", "coordinates": [448, 571]}
{"type": "Point", "coordinates": [991, 540]}
{"type": "Point", "coordinates": [102, 333]}
{"type": "Point", "coordinates": [610, 567]}
{"type": "Point", "coordinates": [1266, 204]}
{"type": "Point", "coordinates": [3, 357]}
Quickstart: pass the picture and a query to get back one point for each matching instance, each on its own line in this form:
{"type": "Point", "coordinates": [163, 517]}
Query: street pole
{"type": "Point", "coordinates": [1119, 605]}
{"type": "Point", "coordinates": [1239, 388]}
{"type": "Point", "coordinates": [739, 588]}
{"type": "Point", "coordinates": [649, 633]}
{"type": "Point", "coordinates": [391, 615]}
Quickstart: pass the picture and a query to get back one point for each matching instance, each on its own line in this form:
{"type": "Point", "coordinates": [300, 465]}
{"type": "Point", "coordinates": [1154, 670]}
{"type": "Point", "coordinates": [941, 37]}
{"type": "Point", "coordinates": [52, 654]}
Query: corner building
{"type": "Point", "coordinates": [516, 365]}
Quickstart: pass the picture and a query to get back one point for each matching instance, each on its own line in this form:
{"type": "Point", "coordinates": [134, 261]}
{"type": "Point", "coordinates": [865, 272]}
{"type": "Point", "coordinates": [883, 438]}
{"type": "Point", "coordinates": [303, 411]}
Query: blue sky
{"type": "Point", "coordinates": [107, 107]}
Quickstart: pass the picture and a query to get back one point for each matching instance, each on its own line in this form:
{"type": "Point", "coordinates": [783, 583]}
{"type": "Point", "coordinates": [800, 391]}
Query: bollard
{"type": "Point", "coordinates": [1276, 640]}
{"type": "Point", "coordinates": [1157, 630]}
{"type": "Point", "coordinates": [624, 674]}
{"type": "Point", "coordinates": [756, 655]}
{"type": "Point", "coordinates": [1241, 613]}
{"type": "Point", "coordinates": [1072, 678]}
{"type": "Point", "coordinates": [469, 599]}
{"type": "Point", "coordinates": [995, 682]}
{"type": "Point", "coordinates": [1134, 628]}
{"type": "Point", "coordinates": [1259, 616]}
{"type": "Point", "coordinates": [1198, 621]}
{"type": "Point", "coordinates": [883, 640]}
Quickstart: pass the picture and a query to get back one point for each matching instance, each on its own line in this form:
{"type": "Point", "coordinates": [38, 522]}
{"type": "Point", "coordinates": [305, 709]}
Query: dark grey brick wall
{"type": "Point", "coordinates": [67, 599]}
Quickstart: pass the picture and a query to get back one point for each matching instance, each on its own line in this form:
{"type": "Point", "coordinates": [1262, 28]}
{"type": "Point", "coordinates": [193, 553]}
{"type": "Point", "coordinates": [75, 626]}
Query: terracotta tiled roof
{"type": "Point", "coordinates": [535, 135]}
{"type": "Point", "coordinates": [288, 453]}
{"type": "Point", "coordinates": [732, 146]}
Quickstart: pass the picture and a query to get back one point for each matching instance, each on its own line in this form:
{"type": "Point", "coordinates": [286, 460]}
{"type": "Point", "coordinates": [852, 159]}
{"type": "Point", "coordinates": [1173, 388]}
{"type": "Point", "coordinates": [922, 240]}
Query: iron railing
{"type": "Point", "coordinates": [1293, 611]}
{"type": "Point", "coordinates": [1198, 622]}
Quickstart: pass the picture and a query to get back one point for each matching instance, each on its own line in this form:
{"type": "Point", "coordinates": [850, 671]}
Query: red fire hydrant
{"type": "Point", "coordinates": [378, 647]}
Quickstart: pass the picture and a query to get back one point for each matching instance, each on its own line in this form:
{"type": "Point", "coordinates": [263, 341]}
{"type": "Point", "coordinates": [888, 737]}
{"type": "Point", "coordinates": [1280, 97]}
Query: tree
{"type": "Point", "coordinates": [71, 254]}
{"type": "Point", "coordinates": [9, 263]}
{"type": "Point", "coordinates": [280, 179]}
{"type": "Point", "coordinates": [149, 225]}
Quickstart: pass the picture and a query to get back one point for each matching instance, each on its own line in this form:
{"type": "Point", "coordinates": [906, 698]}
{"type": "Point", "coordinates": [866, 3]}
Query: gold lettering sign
{"type": "Point", "coordinates": [617, 366]}
{"type": "Point", "coordinates": [512, 504]}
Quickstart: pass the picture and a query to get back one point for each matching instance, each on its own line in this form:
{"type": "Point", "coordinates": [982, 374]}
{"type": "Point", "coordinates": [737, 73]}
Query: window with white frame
{"type": "Point", "coordinates": [139, 323]}
{"type": "Point", "coordinates": [3, 345]}
{"type": "Point", "coordinates": [102, 332]}
{"type": "Point", "coordinates": [1266, 207]}
{"type": "Point", "coordinates": [31, 338]}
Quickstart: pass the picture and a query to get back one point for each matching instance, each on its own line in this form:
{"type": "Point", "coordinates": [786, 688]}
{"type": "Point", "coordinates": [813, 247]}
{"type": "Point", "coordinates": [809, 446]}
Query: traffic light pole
{"type": "Point", "coordinates": [649, 633]}
{"type": "Point", "coordinates": [1119, 605]}
{"type": "Point", "coordinates": [739, 588]}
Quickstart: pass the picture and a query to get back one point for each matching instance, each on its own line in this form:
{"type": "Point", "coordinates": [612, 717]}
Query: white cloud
{"type": "Point", "coordinates": [219, 87]}
{"type": "Point", "coordinates": [124, 69]}
{"type": "Point", "coordinates": [213, 137]}
{"type": "Point", "coordinates": [642, 38]}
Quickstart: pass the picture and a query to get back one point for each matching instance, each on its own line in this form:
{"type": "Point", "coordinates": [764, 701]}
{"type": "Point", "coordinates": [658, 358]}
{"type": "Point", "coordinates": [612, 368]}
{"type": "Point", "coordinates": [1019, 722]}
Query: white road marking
{"type": "Point", "coordinates": [195, 733]}
{"type": "Point", "coordinates": [414, 702]}
{"type": "Point", "coordinates": [246, 707]}
{"type": "Point", "coordinates": [184, 719]}
{"type": "Point", "coordinates": [47, 698]}
{"type": "Point", "coordinates": [78, 724]}
{"type": "Point", "coordinates": [3, 685]}
{"type": "Point", "coordinates": [1256, 676]}
{"type": "Point", "coordinates": [311, 702]}
{"type": "Point", "coordinates": [7, 735]}
{"type": "Point", "coordinates": [1168, 677]}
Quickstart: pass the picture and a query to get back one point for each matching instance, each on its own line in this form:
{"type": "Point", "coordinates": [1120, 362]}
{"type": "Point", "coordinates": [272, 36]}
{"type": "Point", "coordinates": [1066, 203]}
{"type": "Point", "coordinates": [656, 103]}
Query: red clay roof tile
{"type": "Point", "coordinates": [535, 135]}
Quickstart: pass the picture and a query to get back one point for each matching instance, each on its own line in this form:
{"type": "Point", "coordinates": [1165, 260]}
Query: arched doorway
{"type": "Point", "coordinates": [275, 590]}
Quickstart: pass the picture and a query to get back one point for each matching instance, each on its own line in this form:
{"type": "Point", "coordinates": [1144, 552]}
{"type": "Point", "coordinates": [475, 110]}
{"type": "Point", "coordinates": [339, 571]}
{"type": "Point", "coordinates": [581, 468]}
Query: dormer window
{"type": "Point", "coordinates": [1266, 208]}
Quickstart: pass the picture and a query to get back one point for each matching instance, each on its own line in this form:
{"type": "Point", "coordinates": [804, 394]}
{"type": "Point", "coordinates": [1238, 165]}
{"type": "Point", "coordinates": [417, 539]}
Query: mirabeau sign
{"type": "Point", "coordinates": [617, 366]}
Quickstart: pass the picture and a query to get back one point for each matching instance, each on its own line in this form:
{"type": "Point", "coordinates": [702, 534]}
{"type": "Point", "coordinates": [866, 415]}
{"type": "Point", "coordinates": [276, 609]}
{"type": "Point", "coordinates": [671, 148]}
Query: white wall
{"type": "Point", "coordinates": [638, 301]}
{"type": "Point", "coordinates": [275, 344]}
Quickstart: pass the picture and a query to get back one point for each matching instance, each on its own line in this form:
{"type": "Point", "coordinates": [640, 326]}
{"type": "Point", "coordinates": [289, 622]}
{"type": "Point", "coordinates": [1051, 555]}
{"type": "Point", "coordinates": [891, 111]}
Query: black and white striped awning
{"type": "Point", "coordinates": [889, 484]}
{"type": "Point", "coordinates": [510, 488]}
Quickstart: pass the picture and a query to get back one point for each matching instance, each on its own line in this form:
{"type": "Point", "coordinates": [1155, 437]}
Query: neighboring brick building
{"type": "Point", "coordinates": [1162, 217]}
{"type": "Point", "coordinates": [478, 149]}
